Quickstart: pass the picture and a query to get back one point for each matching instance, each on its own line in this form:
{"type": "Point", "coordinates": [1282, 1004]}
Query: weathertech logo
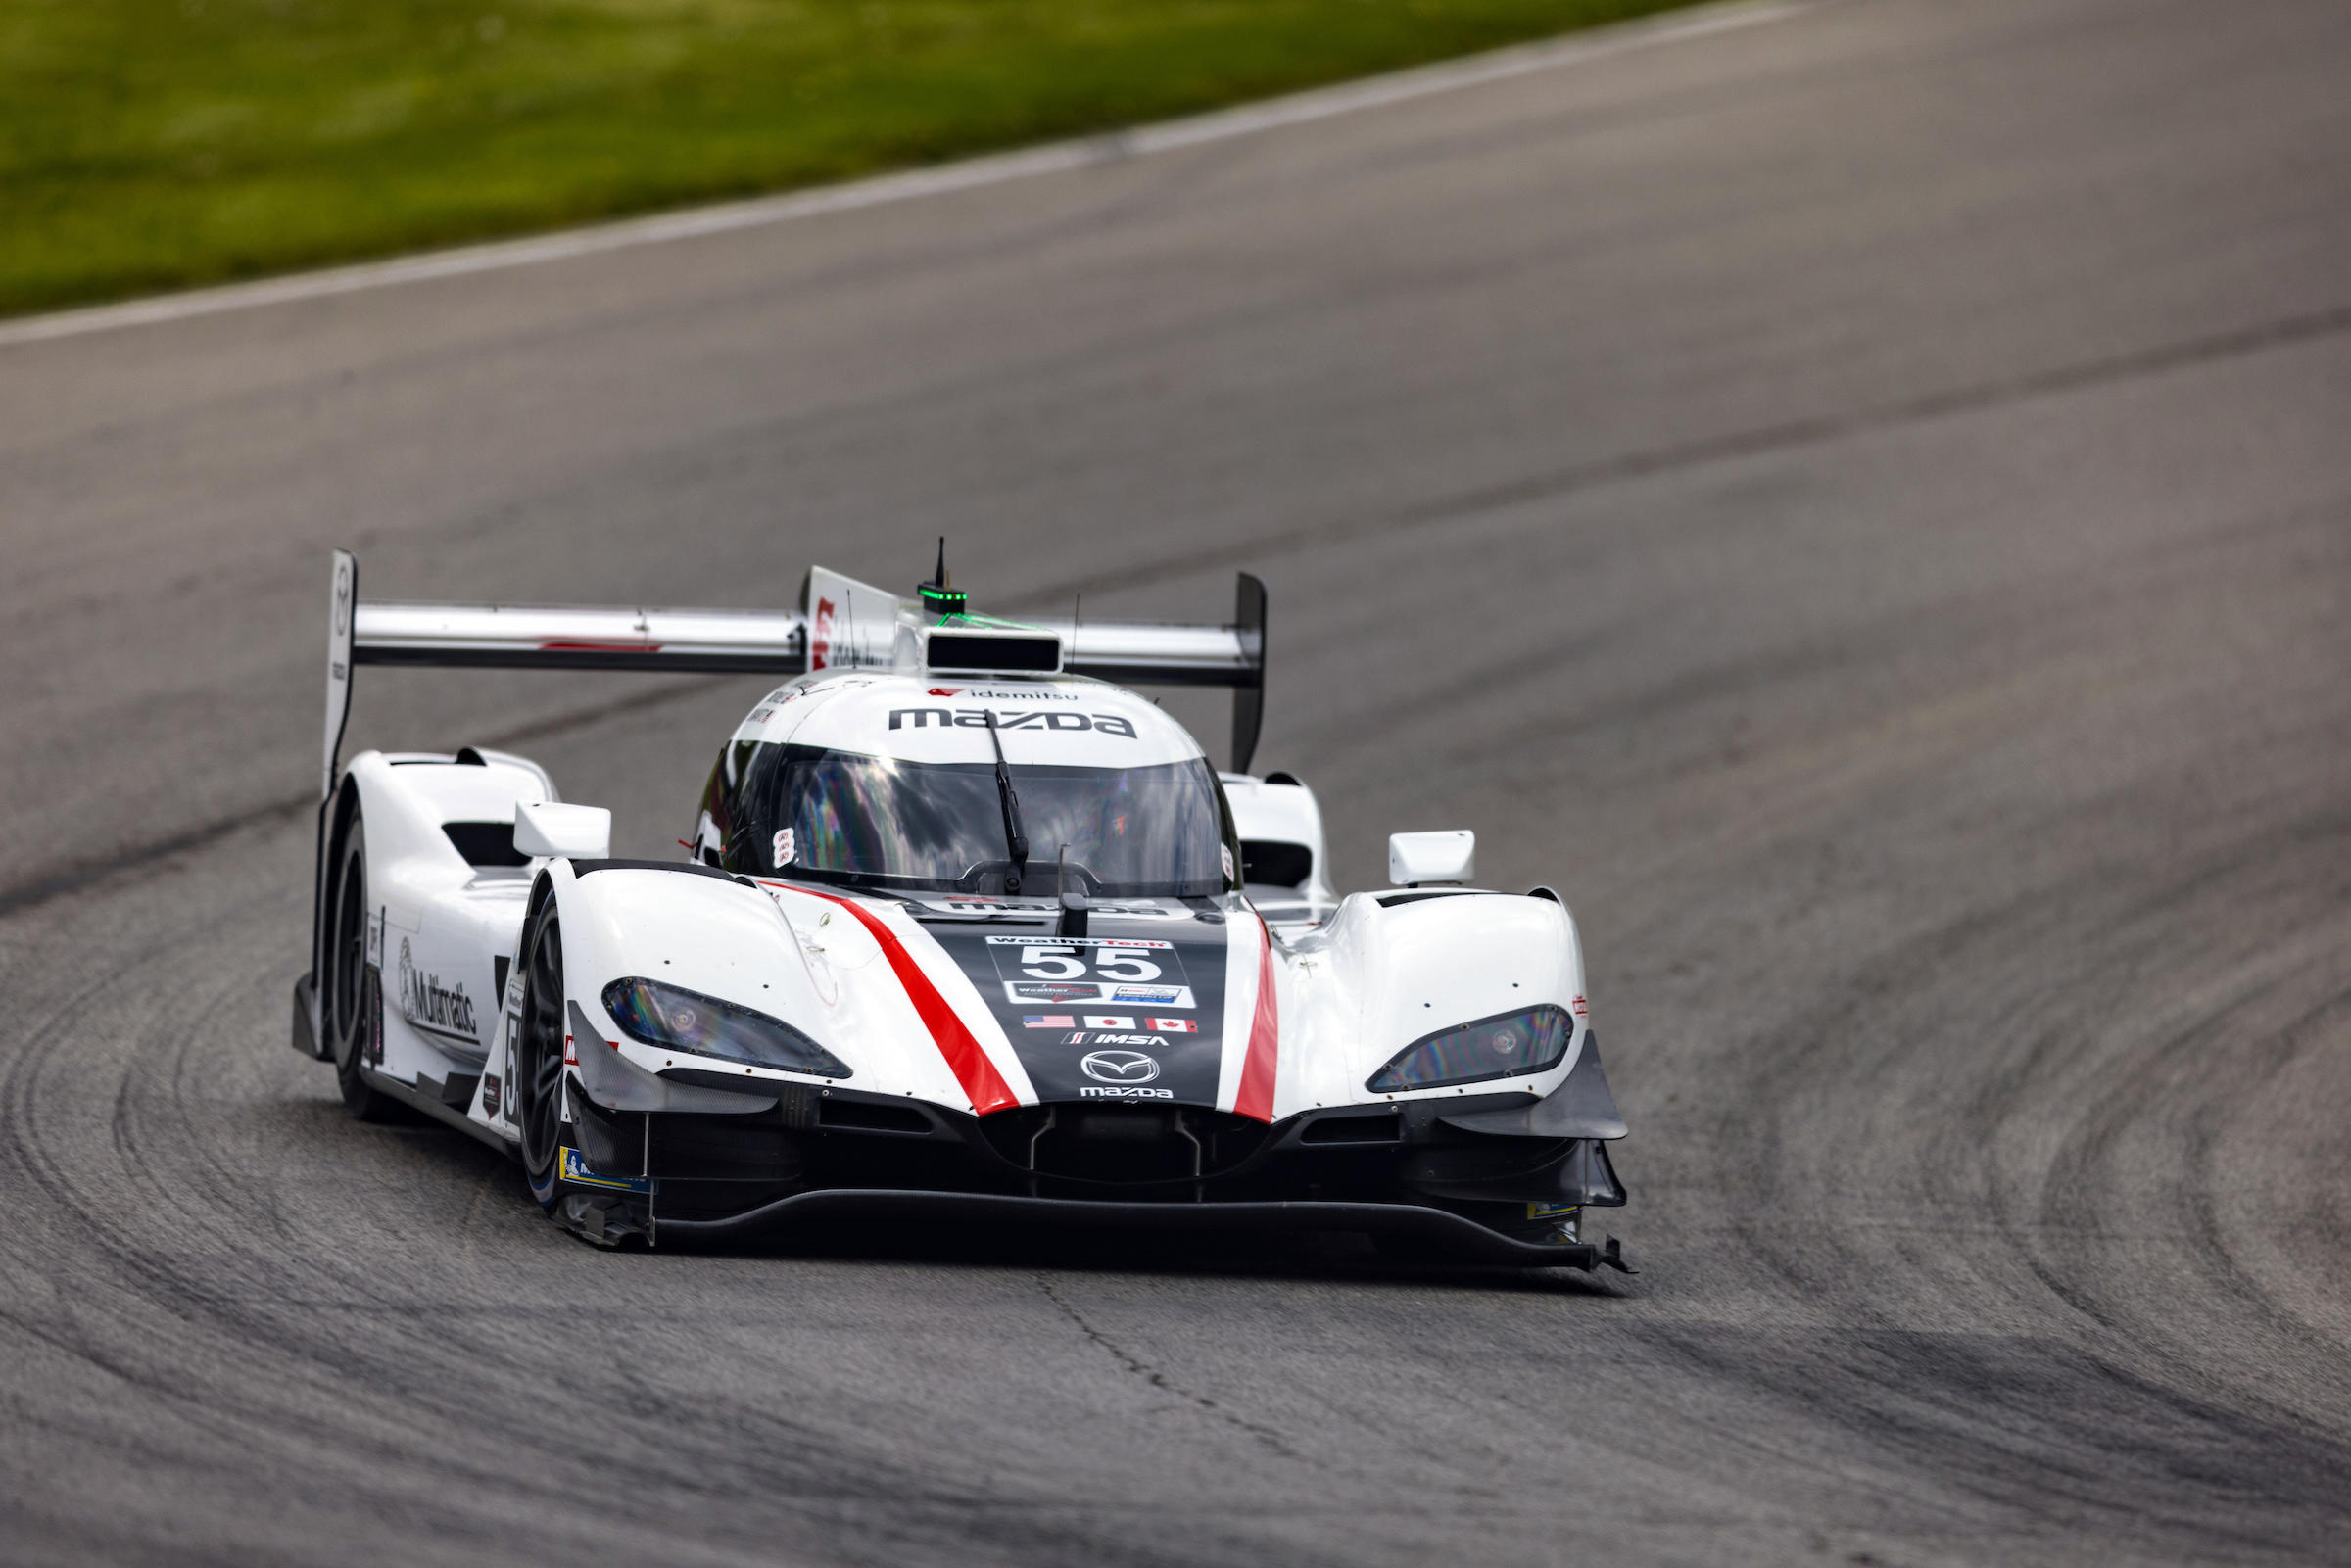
{"type": "Point", "coordinates": [1055, 991]}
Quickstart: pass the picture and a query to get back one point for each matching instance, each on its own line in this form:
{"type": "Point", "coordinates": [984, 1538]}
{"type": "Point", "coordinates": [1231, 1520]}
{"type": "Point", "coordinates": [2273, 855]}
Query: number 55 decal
{"type": "Point", "coordinates": [1055, 961]}
{"type": "Point", "coordinates": [1051, 963]}
{"type": "Point", "coordinates": [1083, 968]}
{"type": "Point", "coordinates": [1124, 964]}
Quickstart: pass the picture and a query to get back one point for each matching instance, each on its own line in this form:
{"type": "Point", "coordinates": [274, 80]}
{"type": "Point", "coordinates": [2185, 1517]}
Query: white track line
{"type": "Point", "coordinates": [1221, 125]}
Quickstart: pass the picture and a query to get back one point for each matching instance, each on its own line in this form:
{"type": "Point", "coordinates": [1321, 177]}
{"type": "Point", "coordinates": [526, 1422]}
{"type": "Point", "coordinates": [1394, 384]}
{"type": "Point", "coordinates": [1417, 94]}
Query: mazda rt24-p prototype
{"type": "Point", "coordinates": [964, 933]}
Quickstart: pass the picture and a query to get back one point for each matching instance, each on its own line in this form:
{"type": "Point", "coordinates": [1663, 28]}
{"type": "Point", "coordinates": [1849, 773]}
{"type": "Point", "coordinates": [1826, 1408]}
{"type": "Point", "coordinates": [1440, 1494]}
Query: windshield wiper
{"type": "Point", "coordinates": [1015, 841]}
{"type": "Point", "coordinates": [1074, 902]}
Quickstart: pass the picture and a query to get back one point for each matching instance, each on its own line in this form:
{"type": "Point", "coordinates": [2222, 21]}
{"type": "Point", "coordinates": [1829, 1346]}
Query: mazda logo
{"type": "Point", "coordinates": [1118, 1066]}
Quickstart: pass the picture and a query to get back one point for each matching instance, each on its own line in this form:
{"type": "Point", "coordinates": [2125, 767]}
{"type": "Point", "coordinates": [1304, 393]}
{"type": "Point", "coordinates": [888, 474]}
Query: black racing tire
{"type": "Point", "coordinates": [538, 1053]}
{"type": "Point", "coordinates": [351, 1001]}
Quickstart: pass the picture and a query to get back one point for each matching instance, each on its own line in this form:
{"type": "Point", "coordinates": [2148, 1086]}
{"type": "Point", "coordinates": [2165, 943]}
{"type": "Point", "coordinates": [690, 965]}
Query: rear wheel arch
{"type": "Point", "coordinates": [347, 816]}
{"type": "Point", "coordinates": [336, 830]}
{"type": "Point", "coordinates": [351, 991]}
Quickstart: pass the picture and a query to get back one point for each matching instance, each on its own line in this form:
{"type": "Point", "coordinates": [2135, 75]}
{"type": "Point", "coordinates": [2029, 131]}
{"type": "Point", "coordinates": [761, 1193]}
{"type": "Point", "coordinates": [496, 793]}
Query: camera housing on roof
{"type": "Point", "coordinates": [986, 650]}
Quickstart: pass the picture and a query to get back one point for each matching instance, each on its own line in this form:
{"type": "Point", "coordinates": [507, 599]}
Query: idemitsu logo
{"type": "Point", "coordinates": [425, 1001]}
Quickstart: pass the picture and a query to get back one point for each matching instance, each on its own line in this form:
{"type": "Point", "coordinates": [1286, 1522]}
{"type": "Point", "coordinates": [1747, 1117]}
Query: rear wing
{"type": "Point", "coordinates": [841, 623]}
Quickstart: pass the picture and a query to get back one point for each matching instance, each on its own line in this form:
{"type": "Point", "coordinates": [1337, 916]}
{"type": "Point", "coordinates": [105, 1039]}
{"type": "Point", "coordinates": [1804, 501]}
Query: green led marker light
{"type": "Point", "coordinates": [938, 597]}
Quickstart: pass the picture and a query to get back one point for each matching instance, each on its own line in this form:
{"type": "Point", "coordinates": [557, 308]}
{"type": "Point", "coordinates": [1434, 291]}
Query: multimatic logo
{"type": "Point", "coordinates": [425, 1001]}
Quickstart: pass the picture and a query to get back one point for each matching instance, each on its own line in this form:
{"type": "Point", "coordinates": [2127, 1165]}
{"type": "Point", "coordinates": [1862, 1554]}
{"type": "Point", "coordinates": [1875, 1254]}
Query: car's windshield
{"type": "Point", "coordinates": [1133, 832]}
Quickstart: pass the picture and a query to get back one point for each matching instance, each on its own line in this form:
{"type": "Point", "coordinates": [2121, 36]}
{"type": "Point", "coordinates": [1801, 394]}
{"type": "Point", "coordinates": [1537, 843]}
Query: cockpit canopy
{"type": "Point", "coordinates": [835, 816]}
{"type": "Point", "coordinates": [1093, 768]}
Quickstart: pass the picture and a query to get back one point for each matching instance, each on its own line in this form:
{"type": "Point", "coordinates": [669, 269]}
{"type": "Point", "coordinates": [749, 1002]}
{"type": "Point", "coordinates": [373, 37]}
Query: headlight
{"type": "Point", "coordinates": [1509, 1045]}
{"type": "Point", "coordinates": [679, 1019]}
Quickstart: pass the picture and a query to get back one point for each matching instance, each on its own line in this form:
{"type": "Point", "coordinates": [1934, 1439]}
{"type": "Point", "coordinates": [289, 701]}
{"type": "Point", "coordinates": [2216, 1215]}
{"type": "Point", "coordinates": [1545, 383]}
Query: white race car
{"type": "Point", "coordinates": [966, 933]}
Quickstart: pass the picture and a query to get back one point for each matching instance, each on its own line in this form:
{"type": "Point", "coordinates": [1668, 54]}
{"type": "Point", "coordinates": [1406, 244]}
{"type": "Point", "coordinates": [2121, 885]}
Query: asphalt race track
{"type": "Point", "coordinates": [1861, 502]}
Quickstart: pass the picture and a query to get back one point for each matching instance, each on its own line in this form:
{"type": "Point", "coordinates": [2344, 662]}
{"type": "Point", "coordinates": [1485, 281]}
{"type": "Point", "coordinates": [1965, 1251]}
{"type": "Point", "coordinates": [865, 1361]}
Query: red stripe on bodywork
{"type": "Point", "coordinates": [1256, 1097]}
{"type": "Point", "coordinates": [981, 1083]}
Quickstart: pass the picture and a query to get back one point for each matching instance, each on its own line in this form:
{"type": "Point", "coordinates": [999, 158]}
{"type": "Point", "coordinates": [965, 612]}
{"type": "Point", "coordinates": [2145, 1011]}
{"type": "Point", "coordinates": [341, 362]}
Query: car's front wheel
{"type": "Point", "coordinates": [538, 1054]}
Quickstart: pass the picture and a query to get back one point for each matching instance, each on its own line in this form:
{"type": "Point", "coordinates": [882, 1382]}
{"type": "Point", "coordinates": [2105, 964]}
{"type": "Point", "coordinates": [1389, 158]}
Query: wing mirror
{"type": "Point", "coordinates": [1414, 859]}
{"type": "Point", "coordinates": [584, 833]}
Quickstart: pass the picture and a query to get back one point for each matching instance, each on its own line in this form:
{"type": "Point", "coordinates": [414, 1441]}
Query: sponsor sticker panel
{"type": "Point", "coordinates": [1138, 971]}
{"type": "Point", "coordinates": [579, 1170]}
{"type": "Point", "coordinates": [1061, 1000]}
{"type": "Point", "coordinates": [1069, 991]}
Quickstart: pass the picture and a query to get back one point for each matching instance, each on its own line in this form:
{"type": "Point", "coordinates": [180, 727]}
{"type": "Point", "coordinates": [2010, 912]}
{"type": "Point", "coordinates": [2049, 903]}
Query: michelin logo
{"type": "Point", "coordinates": [580, 1170]}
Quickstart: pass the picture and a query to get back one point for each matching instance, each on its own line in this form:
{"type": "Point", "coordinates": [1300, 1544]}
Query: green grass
{"type": "Point", "coordinates": [158, 144]}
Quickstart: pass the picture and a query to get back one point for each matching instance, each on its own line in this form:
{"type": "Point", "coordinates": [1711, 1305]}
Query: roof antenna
{"type": "Point", "coordinates": [938, 597]}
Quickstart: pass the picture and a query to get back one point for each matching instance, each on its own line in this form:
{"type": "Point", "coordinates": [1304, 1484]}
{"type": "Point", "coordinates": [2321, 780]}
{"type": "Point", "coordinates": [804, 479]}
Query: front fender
{"type": "Point", "coordinates": [686, 927]}
{"type": "Point", "coordinates": [1407, 966]}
